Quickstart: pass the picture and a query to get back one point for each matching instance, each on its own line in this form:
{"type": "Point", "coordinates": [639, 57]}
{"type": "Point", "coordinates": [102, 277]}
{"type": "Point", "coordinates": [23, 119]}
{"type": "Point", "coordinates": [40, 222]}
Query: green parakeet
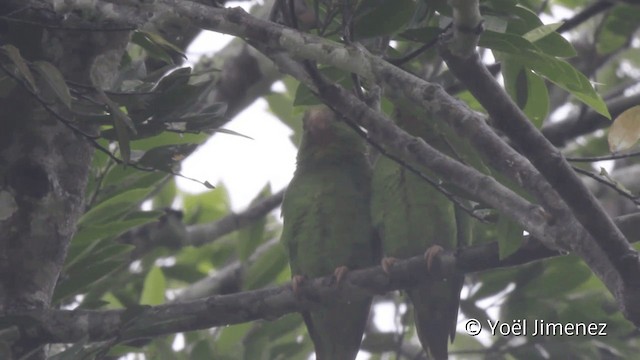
{"type": "Point", "coordinates": [327, 226]}
{"type": "Point", "coordinates": [412, 216]}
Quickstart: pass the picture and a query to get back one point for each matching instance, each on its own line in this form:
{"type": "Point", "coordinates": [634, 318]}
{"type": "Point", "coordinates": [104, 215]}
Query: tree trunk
{"type": "Point", "coordinates": [44, 165]}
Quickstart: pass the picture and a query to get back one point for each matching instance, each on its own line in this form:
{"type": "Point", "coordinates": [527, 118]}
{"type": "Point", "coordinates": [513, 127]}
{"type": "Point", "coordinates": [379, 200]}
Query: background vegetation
{"type": "Point", "coordinates": [101, 256]}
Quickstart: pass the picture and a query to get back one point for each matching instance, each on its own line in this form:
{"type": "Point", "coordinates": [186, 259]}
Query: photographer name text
{"type": "Point", "coordinates": [544, 328]}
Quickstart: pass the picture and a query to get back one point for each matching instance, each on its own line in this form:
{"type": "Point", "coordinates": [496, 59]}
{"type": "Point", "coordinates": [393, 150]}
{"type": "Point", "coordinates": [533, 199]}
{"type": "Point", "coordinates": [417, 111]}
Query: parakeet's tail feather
{"type": "Point", "coordinates": [343, 342]}
{"type": "Point", "coordinates": [458, 282]}
{"type": "Point", "coordinates": [433, 335]}
{"type": "Point", "coordinates": [436, 315]}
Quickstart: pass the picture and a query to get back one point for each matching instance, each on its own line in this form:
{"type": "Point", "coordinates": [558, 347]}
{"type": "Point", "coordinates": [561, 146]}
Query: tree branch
{"type": "Point", "coordinates": [228, 277]}
{"type": "Point", "coordinates": [199, 235]}
{"type": "Point", "coordinates": [67, 326]}
{"type": "Point", "coordinates": [558, 172]}
{"type": "Point", "coordinates": [560, 132]}
{"type": "Point", "coordinates": [170, 231]}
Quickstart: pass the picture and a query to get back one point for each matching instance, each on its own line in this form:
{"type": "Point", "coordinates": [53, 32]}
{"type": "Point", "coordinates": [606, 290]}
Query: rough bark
{"type": "Point", "coordinates": [44, 166]}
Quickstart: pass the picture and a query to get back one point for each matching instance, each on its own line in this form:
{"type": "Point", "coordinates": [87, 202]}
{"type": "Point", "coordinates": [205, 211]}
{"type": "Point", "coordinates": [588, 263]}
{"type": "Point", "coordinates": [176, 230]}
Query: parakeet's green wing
{"type": "Point", "coordinates": [411, 216]}
{"type": "Point", "coordinates": [327, 224]}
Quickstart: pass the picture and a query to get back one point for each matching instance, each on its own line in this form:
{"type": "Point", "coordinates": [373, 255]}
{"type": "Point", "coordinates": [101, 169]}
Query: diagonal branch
{"type": "Point", "coordinates": [202, 234]}
{"type": "Point", "coordinates": [171, 232]}
{"type": "Point", "coordinates": [548, 159]}
{"type": "Point", "coordinates": [564, 226]}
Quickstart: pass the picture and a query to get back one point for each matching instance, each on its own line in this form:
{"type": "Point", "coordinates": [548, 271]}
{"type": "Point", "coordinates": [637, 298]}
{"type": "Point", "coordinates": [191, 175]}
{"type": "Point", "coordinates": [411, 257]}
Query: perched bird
{"type": "Point", "coordinates": [327, 226]}
{"type": "Point", "coordinates": [412, 217]}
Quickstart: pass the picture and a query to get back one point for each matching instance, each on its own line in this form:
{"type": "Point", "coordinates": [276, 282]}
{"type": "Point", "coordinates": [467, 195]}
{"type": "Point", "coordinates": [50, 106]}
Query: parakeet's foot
{"type": "Point", "coordinates": [296, 282]}
{"type": "Point", "coordinates": [387, 263]}
{"type": "Point", "coordinates": [431, 253]}
{"type": "Point", "coordinates": [339, 273]}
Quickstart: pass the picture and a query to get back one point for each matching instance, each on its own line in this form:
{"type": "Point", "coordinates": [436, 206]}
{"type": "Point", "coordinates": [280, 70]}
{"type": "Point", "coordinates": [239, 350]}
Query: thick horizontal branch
{"type": "Point", "coordinates": [68, 326]}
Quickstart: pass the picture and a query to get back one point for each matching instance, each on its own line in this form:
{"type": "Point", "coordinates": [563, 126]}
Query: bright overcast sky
{"type": "Point", "coordinates": [244, 166]}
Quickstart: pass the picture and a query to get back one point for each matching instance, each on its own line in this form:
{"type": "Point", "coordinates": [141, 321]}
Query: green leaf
{"type": "Point", "coordinates": [509, 234]}
{"type": "Point", "coordinates": [537, 106]}
{"type": "Point", "coordinates": [256, 348]}
{"type": "Point", "coordinates": [13, 54]}
{"type": "Point", "coordinates": [556, 45]}
{"type": "Point", "coordinates": [495, 23]}
{"type": "Point", "coordinates": [168, 138]}
{"type": "Point", "coordinates": [505, 42]}
{"type": "Point", "coordinates": [566, 76]}
{"type": "Point", "coordinates": [177, 79]}
{"type": "Point", "coordinates": [153, 288]}
{"type": "Point", "coordinates": [162, 42]}
{"type": "Point", "coordinates": [53, 77]}
{"type": "Point", "coordinates": [231, 132]}
{"type": "Point", "coordinates": [553, 69]}
{"type": "Point", "coordinates": [553, 44]}
{"type": "Point", "coordinates": [541, 32]}
{"type": "Point", "coordinates": [250, 237]}
{"type": "Point", "coordinates": [99, 251]}
{"type": "Point", "coordinates": [263, 340]}
{"type": "Point", "coordinates": [122, 134]}
{"type": "Point", "coordinates": [560, 277]}
{"type": "Point", "coordinates": [527, 90]}
{"type": "Point", "coordinates": [266, 268]}
{"type": "Point", "coordinates": [230, 340]}
{"type": "Point", "coordinates": [382, 17]}
{"type": "Point", "coordinates": [114, 207]}
{"type": "Point", "coordinates": [618, 26]}
{"type": "Point", "coordinates": [77, 281]}
{"type": "Point", "coordinates": [166, 196]}
{"type": "Point", "coordinates": [166, 157]}
{"type": "Point", "coordinates": [207, 119]}
{"type": "Point", "coordinates": [207, 206]}
{"type": "Point", "coordinates": [121, 179]}
{"type": "Point", "coordinates": [155, 50]}
{"type": "Point", "coordinates": [202, 350]}
{"type": "Point", "coordinates": [89, 233]}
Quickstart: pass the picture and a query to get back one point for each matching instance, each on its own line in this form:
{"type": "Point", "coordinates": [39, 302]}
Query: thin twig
{"type": "Point", "coordinates": [603, 158]}
{"type": "Point", "coordinates": [608, 184]}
